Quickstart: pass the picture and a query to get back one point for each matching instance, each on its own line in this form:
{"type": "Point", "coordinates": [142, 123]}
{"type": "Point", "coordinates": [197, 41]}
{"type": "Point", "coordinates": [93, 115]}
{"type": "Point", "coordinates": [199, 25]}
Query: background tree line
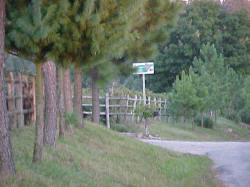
{"type": "Point", "coordinates": [205, 63]}
{"type": "Point", "coordinates": [226, 26]}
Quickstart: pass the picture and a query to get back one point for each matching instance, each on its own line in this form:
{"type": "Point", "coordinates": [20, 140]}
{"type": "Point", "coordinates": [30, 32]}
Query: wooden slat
{"type": "Point", "coordinates": [90, 113]}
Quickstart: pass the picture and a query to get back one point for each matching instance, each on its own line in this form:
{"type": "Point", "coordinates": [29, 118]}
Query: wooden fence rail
{"type": "Point", "coordinates": [20, 91]}
{"type": "Point", "coordinates": [122, 106]}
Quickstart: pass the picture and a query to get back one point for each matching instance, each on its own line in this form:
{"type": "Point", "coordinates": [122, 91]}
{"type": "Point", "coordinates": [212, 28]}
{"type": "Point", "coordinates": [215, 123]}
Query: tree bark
{"type": "Point", "coordinates": [202, 120]}
{"type": "Point", "coordinates": [7, 166]}
{"type": "Point", "coordinates": [193, 126]}
{"type": "Point", "coordinates": [184, 120]}
{"type": "Point", "coordinates": [50, 125]}
{"type": "Point", "coordinates": [61, 102]}
{"type": "Point", "coordinates": [67, 94]}
{"type": "Point", "coordinates": [215, 116]}
{"type": "Point", "coordinates": [37, 154]}
{"type": "Point", "coordinates": [78, 95]}
{"type": "Point", "coordinates": [95, 96]}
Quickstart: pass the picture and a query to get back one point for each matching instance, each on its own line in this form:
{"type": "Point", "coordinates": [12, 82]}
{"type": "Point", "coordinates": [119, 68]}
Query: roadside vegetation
{"type": "Point", "coordinates": [97, 156]}
{"type": "Point", "coordinates": [223, 130]}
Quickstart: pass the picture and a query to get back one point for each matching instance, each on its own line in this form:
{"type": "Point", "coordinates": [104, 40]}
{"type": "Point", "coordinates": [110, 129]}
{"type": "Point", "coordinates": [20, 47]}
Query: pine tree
{"type": "Point", "coordinates": [183, 100]}
{"type": "Point", "coordinates": [7, 166]}
{"type": "Point", "coordinates": [212, 69]}
{"type": "Point", "coordinates": [200, 84]}
{"type": "Point", "coordinates": [31, 31]}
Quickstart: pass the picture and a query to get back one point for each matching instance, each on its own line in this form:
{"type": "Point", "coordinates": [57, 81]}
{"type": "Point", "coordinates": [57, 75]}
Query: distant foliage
{"type": "Point", "coordinates": [200, 23]}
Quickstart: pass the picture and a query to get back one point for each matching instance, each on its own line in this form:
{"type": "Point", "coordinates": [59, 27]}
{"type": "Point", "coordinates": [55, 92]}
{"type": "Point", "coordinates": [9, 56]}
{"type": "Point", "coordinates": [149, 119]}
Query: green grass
{"type": "Point", "coordinates": [176, 131]}
{"type": "Point", "coordinates": [96, 156]}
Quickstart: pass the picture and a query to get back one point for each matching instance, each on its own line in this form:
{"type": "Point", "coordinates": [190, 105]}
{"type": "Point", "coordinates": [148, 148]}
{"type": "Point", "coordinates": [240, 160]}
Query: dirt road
{"type": "Point", "coordinates": [231, 159]}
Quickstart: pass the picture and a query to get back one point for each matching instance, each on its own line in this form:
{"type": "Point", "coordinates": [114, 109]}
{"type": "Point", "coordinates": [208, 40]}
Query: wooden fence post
{"type": "Point", "coordinates": [118, 119]}
{"type": "Point", "coordinates": [165, 109]}
{"type": "Point", "coordinates": [126, 109]}
{"type": "Point", "coordinates": [149, 100]}
{"type": "Point", "coordinates": [159, 104]}
{"type": "Point", "coordinates": [107, 109]}
{"type": "Point", "coordinates": [20, 115]}
{"type": "Point", "coordinates": [11, 101]}
{"type": "Point", "coordinates": [134, 107]}
{"type": "Point", "coordinates": [33, 105]}
{"type": "Point", "coordinates": [138, 117]}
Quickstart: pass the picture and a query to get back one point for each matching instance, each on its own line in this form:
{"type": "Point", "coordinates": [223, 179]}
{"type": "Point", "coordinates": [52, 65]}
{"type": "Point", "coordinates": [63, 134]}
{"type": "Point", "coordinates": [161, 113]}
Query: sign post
{"type": "Point", "coordinates": [143, 69]}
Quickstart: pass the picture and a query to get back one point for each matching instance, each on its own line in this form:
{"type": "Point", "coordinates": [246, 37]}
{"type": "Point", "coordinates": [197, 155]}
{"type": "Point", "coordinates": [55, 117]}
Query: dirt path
{"type": "Point", "coordinates": [231, 159]}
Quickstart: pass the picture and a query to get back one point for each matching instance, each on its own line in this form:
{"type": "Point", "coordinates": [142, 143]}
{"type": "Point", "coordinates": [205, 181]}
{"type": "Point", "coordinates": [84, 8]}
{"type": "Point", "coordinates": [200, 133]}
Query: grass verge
{"type": "Point", "coordinates": [224, 130]}
{"type": "Point", "coordinates": [96, 156]}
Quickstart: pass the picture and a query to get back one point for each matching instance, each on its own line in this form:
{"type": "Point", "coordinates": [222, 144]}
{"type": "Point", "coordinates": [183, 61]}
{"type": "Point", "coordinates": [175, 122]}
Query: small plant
{"type": "Point", "coordinates": [145, 112]}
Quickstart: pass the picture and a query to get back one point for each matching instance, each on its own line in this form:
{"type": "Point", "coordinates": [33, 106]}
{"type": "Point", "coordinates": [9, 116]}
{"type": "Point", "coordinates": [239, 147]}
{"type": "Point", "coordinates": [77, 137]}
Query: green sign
{"type": "Point", "coordinates": [144, 68]}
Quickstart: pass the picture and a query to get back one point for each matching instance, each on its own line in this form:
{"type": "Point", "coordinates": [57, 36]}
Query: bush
{"type": "Point", "coordinates": [207, 121]}
{"type": "Point", "coordinates": [245, 116]}
{"type": "Point", "coordinates": [120, 127]}
{"type": "Point", "coordinates": [145, 111]}
{"type": "Point", "coordinates": [233, 116]}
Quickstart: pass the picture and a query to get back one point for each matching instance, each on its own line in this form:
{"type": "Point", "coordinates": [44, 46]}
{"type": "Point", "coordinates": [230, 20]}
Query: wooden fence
{"type": "Point", "coordinates": [20, 90]}
{"type": "Point", "coordinates": [122, 106]}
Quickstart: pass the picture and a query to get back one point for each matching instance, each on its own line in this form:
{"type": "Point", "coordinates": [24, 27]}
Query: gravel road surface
{"type": "Point", "coordinates": [231, 159]}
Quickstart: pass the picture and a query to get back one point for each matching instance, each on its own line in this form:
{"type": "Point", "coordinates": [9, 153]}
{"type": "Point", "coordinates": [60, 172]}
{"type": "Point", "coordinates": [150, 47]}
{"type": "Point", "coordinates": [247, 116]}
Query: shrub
{"type": "Point", "coordinates": [120, 127]}
{"type": "Point", "coordinates": [245, 116]}
{"type": "Point", "coordinates": [145, 111]}
{"type": "Point", "coordinates": [207, 121]}
{"type": "Point", "coordinates": [233, 116]}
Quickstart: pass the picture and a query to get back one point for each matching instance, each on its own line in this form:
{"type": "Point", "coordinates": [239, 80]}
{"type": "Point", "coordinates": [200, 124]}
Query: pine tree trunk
{"type": "Point", "coordinates": [184, 119]}
{"type": "Point", "coordinates": [50, 125]}
{"type": "Point", "coordinates": [193, 123]}
{"type": "Point", "coordinates": [7, 166]}
{"type": "Point", "coordinates": [95, 96]}
{"type": "Point", "coordinates": [61, 102]}
{"type": "Point", "coordinates": [215, 117]}
{"type": "Point", "coordinates": [67, 94]}
{"type": "Point", "coordinates": [37, 154]}
{"type": "Point", "coordinates": [202, 120]}
{"type": "Point", "coordinates": [78, 95]}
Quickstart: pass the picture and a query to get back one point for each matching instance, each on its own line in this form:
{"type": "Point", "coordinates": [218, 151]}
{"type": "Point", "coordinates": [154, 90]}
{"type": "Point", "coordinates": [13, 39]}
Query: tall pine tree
{"type": "Point", "coordinates": [31, 31]}
{"type": "Point", "coordinates": [7, 166]}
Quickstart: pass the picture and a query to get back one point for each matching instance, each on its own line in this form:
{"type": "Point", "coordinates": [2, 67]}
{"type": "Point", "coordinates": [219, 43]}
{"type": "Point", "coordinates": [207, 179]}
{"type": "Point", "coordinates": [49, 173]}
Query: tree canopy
{"type": "Point", "coordinates": [202, 22]}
